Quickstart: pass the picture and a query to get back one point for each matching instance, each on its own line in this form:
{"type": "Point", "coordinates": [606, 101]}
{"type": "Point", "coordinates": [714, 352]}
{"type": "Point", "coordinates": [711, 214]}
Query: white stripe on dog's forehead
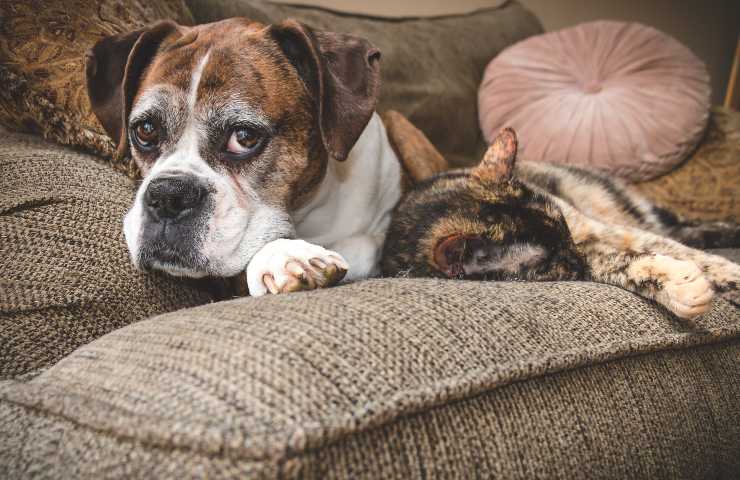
{"type": "Point", "coordinates": [195, 81]}
{"type": "Point", "coordinates": [188, 142]}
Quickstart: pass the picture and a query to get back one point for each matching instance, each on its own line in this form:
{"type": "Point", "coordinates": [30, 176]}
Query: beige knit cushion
{"type": "Point", "coordinates": [391, 379]}
{"type": "Point", "coordinates": [42, 63]}
{"type": "Point", "coordinates": [65, 275]}
{"type": "Point", "coordinates": [621, 97]}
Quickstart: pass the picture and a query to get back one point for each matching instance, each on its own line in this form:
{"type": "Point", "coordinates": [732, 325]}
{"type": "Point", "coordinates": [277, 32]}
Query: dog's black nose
{"type": "Point", "coordinates": [174, 197]}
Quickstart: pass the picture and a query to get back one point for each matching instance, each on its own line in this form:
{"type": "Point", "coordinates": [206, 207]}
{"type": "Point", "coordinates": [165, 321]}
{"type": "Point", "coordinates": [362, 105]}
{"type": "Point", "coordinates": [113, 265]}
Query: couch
{"type": "Point", "coordinates": [106, 372]}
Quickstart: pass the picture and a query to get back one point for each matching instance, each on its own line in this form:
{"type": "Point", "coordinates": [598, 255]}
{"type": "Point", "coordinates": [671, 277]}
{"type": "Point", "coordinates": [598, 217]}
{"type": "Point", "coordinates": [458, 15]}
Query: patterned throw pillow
{"type": "Point", "coordinates": [42, 63]}
{"type": "Point", "coordinates": [707, 186]}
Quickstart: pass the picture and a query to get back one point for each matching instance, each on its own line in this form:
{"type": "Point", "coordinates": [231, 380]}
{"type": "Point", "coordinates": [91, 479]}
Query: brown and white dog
{"type": "Point", "coordinates": [259, 146]}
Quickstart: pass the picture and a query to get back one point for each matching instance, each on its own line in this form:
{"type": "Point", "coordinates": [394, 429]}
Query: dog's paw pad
{"type": "Point", "coordinates": [284, 266]}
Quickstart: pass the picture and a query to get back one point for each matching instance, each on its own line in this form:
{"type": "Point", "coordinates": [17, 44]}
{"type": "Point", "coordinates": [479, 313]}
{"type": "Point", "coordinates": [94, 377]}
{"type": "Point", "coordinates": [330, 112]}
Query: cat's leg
{"type": "Point", "coordinates": [722, 273]}
{"type": "Point", "coordinates": [676, 284]}
{"type": "Point", "coordinates": [676, 276]}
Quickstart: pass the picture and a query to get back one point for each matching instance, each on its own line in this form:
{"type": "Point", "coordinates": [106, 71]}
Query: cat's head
{"type": "Point", "coordinates": [481, 223]}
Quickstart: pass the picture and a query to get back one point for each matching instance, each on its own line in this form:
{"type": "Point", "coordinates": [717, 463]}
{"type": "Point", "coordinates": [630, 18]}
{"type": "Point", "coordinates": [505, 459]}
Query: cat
{"type": "Point", "coordinates": [504, 220]}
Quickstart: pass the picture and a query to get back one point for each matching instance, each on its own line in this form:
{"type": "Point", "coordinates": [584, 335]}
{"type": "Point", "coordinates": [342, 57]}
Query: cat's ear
{"type": "Point", "coordinates": [472, 255]}
{"type": "Point", "coordinates": [450, 254]}
{"type": "Point", "coordinates": [498, 162]}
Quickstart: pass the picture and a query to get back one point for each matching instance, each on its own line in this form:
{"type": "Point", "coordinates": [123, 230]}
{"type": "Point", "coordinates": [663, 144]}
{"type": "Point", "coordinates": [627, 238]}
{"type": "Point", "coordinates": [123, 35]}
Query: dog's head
{"type": "Point", "coordinates": [232, 125]}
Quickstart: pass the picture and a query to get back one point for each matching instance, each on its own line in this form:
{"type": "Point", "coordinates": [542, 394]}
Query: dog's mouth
{"type": "Point", "coordinates": [172, 259]}
{"type": "Point", "coordinates": [172, 248]}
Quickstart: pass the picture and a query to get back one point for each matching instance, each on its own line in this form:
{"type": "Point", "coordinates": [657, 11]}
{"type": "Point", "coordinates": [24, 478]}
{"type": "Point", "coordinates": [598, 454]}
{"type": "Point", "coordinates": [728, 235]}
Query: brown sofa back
{"type": "Point", "coordinates": [430, 67]}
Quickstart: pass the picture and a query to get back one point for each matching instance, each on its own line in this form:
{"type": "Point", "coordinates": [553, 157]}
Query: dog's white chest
{"type": "Point", "coordinates": [351, 210]}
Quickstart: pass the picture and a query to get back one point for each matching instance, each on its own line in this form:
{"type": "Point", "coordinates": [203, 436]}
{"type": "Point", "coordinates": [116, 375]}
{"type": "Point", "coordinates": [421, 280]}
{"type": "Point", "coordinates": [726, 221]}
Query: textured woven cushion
{"type": "Point", "coordinates": [391, 379]}
{"type": "Point", "coordinates": [430, 67]}
{"type": "Point", "coordinates": [65, 275]}
{"type": "Point", "coordinates": [707, 186]}
{"type": "Point", "coordinates": [621, 97]}
{"type": "Point", "coordinates": [42, 62]}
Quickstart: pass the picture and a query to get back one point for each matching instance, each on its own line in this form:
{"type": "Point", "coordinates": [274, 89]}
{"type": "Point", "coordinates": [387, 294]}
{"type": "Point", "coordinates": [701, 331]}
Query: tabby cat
{"type": "Point", "coordinates": [533, 221]}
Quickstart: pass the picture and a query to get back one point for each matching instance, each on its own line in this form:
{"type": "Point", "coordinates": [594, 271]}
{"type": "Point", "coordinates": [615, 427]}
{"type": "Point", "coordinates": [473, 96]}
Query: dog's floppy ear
{"type": "Point", "coordinates": [114, 67]}
{"type": "Point", "coordinates": [498, 162]}
{"type": "Point", "coordinates": [343, 74]}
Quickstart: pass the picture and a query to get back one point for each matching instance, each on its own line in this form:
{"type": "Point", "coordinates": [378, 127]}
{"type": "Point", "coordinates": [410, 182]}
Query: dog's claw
{"type": "Point", "coordinates": [296, 269]}
{"type": "Point", "coordinates": [269, 282]}
{"type": "Point", "coordinates": [317, 263]}
{"type": "Point", "coordinates": [330, 273]}
{"type": "Point", "coordinates": [293, 284]}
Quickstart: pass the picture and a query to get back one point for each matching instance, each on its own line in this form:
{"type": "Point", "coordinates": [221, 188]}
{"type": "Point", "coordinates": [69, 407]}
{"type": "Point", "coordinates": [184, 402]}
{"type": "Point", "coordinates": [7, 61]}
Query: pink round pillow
{"type": "Point", "coordinates": [621, 97]}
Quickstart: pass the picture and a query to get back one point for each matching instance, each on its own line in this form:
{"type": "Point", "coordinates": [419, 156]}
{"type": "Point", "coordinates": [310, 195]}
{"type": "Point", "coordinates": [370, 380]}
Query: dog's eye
{"type": "Point", "coordinates": [146, 134]}
{"type": "Point", "coordinates": [243, 141]}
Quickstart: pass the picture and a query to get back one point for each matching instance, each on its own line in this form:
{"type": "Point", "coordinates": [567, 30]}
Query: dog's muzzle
{"type": "Point", "coordinates": [175, 213]}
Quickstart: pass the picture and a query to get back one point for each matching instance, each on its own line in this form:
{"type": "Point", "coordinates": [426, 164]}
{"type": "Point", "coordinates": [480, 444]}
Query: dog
{"type": "Point", "coordinates": [259, 146]}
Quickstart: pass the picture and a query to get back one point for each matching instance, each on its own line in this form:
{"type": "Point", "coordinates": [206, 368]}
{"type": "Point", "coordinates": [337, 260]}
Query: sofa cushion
{"type": "Point", "coordinates": [707, 185]}
{"type": "Point", "coordinates": [391, 379]}
{"type": "Point", "coordinates": [65, 275]}
{"type": "Point", "coordinates": [42, 63]}
{"type": "Point", "coordinates": [430, 67]}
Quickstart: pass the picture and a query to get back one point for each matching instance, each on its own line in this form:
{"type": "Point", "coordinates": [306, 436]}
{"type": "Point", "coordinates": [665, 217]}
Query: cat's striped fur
{"type": "Point", "coordinates": [532, 221]}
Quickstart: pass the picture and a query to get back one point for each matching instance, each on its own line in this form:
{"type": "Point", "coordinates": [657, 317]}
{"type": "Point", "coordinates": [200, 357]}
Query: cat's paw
{"type": "Point", "coordinates": [284, 266]}
{"type": "Point", "coordinates": [686, 291]}
{"type": "Point", "coordinates": [682, 287]}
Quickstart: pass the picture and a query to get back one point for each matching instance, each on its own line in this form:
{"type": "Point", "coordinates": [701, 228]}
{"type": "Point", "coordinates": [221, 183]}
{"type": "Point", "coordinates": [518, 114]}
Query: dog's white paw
{"type": "Point", "coordinates": [286, 265]}
{"type": "Point", "coordinates": [684, 289]}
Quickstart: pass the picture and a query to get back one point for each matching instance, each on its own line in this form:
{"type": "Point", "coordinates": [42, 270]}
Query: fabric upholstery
{"type": "Point", "coordinates": [391, 379]}
{"type": "Point", "coordinates": [65, 275]}
{"type": "Point", "coordinates": [42, 63]}
{"type": "Point", "coordinates": [707, 186]}
{"type": "Point", "coordinates": [430, 67]}
{"type": "Point", "coordinates": [621, 97]}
